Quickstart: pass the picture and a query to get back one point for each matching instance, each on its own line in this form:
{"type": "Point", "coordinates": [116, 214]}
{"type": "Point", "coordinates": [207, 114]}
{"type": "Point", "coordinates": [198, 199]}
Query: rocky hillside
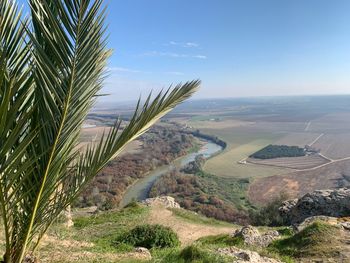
{"type": "Point", "coordinates": [319, 233]}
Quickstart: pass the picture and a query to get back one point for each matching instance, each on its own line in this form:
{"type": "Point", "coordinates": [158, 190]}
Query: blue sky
{"type": "Point", "coordinates": [236, 47]}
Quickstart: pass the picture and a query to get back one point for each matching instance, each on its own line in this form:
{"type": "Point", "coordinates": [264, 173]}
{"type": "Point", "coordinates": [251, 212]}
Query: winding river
{"type": "Point", "coordinates": [140, 189]}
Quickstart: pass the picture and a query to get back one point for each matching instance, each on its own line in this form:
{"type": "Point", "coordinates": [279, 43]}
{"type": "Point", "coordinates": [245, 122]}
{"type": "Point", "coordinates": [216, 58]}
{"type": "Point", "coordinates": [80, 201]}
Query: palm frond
{"type": "Point", "coordinates": [50, 74]}
{"type": "Point", "coordinates": [16, 90]}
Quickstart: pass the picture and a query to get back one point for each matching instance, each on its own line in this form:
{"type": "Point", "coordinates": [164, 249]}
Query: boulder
{"type": "Point", "coordinates": [144, 252]}
{"type": "Point", "coordinates": [245, 256]}
{"type": "Point", "coordinates": [166, 201]}
{"type": "Point", "coordinates": [251, 236]}
{"type": "Point", "coordinates": [332, 203]}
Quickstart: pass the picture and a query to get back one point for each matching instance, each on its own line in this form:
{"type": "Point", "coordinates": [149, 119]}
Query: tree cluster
{"type": "Point", "coordinates": [275, 151]}
{"type": "Point", "coordinates": [193, 193]}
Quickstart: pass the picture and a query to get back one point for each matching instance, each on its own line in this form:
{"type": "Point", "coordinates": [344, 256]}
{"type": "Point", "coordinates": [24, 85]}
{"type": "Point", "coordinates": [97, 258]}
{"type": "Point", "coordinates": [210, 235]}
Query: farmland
{"type": "Point", "coordinates": [249, 125]}
{"type": "Point", "coordinates": [299, 163]}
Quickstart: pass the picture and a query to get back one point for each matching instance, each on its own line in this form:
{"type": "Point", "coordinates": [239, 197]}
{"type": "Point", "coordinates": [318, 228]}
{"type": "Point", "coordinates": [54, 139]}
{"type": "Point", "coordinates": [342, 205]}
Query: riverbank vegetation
{"type": "Point", "coordinates": [160, 146]}
{"type": "Point", "coordinates": [219, 198]}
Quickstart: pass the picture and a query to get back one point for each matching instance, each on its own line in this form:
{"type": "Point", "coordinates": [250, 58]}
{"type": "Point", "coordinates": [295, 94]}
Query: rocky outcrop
{"type": "Point", "coordinates": [251, 236]}
{"type": "Point", "coordinates": [245, 256]}
{"type": "Point", "coordinates": [166, 201]}
{"type": "Point", "coordinates": [310, 220]}
{"type": "Point", "coordinates": [334, 203]}
{"type": "Point", "coordinates": [343, 223]}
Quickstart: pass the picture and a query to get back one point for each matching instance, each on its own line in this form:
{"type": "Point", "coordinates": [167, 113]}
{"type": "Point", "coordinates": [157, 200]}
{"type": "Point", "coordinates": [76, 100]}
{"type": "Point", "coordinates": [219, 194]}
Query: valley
{"type": "Point", "coordinates": [245, 126]}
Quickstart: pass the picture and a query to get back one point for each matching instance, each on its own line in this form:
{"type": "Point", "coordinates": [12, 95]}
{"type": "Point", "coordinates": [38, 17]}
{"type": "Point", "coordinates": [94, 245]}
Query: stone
{"type": "Point", "coordinates": [245, 256]}
{"type": "Point", "coordinates": [167, 201]}
{"type": "Point", "coordinates": [251, 236]}
{"type": "Point", "coordinates": [345, 225]}
{"type": "Point", "coordinates": [331, 202]}
{"type": "Point", "coordinates": [142, 253]}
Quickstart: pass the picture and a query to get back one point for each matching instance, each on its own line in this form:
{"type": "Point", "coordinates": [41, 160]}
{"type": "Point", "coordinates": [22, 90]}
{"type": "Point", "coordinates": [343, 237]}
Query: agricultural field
{"type": "Point", "coordinates": [299, 163]}
{"type": "Point", "coordinates": [298, 183]}
{"type": "Point", "coordinates": [242, 141]}
{"type": "Point", "coordinates": [249, 125]}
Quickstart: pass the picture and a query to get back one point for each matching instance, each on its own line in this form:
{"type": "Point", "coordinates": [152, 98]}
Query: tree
{"type": "Point", "coordinates": [52, 68]}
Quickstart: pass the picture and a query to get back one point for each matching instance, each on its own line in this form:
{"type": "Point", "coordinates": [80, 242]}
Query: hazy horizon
{"type": "Point", "coordinates": [131, 103]}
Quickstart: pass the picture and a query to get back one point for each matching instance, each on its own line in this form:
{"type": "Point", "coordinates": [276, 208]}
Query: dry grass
{"type": "Point", "coordinates": [299, 183]}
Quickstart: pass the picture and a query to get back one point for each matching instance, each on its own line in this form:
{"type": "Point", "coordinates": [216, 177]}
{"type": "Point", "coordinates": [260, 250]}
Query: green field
{"type": "Point", "coordinates": [241, 142]}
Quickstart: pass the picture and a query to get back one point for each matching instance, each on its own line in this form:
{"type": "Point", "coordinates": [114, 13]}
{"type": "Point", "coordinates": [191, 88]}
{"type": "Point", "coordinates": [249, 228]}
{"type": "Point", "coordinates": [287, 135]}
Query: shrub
{"type": "Point", "coordinates": [150, 236]}
{"type": "Point", "coordinates": [269, 215]}
{"type": "Point", "coordinates": [222, 240]}
{"type": "Point", "coordinates": [196, 254]}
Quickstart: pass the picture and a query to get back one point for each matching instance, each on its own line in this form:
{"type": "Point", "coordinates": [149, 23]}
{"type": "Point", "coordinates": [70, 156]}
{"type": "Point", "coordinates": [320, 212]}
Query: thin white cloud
{"type": "Point", "coordinates": [121, 69]}
{"type": "Point", "coordinates": [164, 54]}
{"type": "Point", "coordinates": [200, 56]}
{"type": "Point", "coordinates": [177, 73]}
{"type": "Point", "coordinates": [171, 54]}
{"type": "Point", "coordinates": [184, 44]}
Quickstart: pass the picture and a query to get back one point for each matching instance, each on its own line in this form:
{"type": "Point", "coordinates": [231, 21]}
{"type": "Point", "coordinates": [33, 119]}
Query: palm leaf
{"type": "Point", "coordinates": [50, 75]}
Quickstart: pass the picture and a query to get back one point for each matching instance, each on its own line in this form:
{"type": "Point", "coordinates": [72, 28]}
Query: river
{"type": "Point", "coordinates": [140, 189]}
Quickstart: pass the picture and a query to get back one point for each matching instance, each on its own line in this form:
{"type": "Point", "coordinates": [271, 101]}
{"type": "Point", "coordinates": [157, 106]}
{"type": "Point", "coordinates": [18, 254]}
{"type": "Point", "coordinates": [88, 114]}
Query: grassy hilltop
{"type": "Point", "coordinates": [94, 238]}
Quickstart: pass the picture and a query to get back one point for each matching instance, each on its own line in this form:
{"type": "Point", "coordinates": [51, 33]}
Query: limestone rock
{"type": "Point", "coordinates": [251, 236]}
{"type": "Point", "coordinates": [143, 253]}
{"type": "Point", "coordinates": [166, 201]}
{"type": "Point", "coordinates": [333, 203]}
{"type": "Point", "coordinates": [245, 256]}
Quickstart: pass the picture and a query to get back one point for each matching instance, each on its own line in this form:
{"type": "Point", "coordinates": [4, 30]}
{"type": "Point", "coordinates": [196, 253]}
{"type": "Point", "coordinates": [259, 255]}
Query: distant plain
{"type": "Point", "coordinates": [248, 125]}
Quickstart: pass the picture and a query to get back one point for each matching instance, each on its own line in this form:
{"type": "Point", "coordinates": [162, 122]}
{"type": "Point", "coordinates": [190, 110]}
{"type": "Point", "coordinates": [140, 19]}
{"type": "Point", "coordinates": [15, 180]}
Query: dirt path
{"type": "Point", "coordinates": [314, 141]}
{"type": "Point", "coordinates": [323, 165]}
{"type": "Point", "coordinates": [186, 230]}
{"type": "Point", "coordinates": [307, 126]}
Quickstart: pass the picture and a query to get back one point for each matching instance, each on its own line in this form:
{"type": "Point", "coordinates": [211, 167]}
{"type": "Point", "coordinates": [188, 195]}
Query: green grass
{"type": "Point", "coordinates": [231, 190]}
{"type": "Point", "coordinates": [318, 239]}
{"type": "Point", "coordinates": [103, 229]}
{"type": "Point", "coordinates": [190, 254]}
{"type": "Point", "coordinates": [241, 142]}
{"type": "Point", "coordinates": [197, 218]}
{"type": "Point", "coordinates": [222, 240]}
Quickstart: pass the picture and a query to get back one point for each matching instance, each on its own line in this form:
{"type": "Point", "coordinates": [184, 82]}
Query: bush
{"type": "Point", "coordinates": [196, 254]}
{"type": "Point", "coordinates": [150, 236]}
{"type": "Point", "coordinates": [269, 215]}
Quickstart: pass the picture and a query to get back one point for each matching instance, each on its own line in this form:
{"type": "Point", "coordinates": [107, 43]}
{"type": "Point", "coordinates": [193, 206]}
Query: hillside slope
{"type": "Point", "coordinates": [93, 238]}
